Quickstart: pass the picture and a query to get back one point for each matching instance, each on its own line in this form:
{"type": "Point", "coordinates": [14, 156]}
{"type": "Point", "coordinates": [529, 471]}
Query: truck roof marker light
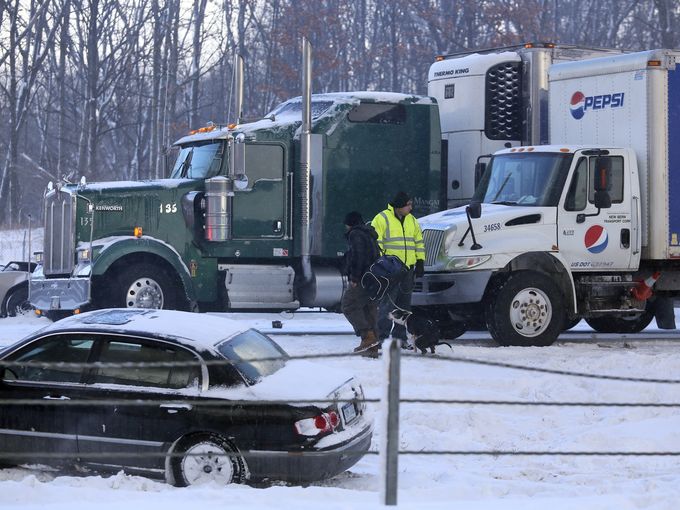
{"type": "Point", "coordinates": [528, 45]}
{"type": "Point", "coordinates": [138, 232]}
{"type": "Point", "coordinates": [564, 149]}
{"type": "Point", "coordinates": [654, 63]}
{"type": "Point", "coordinates": [76, 311]}
{"type": "Point", "coordinates": [232, 126]}
{"type": "Point", "coordinates": [513, 150]}
{"type": "Point", "coordinates": [38, 312]}
{"type": "Point", "coordinates": [530, 149]}
{"type": "Point", "coordinates": [521, 149]}
{"type": "Point", "coordinates": [439, 58]}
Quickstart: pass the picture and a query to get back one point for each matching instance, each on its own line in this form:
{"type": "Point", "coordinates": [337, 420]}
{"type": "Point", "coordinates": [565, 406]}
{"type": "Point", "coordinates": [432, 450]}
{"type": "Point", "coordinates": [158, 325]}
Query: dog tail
{"type": "Point", "coordinates": [445, 343]}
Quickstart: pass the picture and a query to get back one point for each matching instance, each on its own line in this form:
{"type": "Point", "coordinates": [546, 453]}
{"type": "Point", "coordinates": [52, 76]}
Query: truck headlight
{"type": "Point", "coordinates": [84, 255]}
{"type": "Point", "coordinates": [462, 263]}
{"type": "Point", "coordinates": [38, 257]}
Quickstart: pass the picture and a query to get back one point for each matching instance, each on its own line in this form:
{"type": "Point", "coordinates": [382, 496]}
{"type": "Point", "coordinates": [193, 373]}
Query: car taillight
{"type": "Point", "coordinates": [320, 424]}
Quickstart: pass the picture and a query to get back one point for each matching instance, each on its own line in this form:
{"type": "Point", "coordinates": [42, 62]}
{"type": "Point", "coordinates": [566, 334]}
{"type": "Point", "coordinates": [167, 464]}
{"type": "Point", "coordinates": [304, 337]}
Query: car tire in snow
{"type": "Point", "coordinates": [205, 458]}
{"type": "Point", "coordinates": [17, 302]}
{"type": "Point", "coordinates": [525, 308]}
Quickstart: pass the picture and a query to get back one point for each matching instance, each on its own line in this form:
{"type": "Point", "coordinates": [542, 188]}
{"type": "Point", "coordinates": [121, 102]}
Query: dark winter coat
{"type": "Point", "coordinates": [362, 241]}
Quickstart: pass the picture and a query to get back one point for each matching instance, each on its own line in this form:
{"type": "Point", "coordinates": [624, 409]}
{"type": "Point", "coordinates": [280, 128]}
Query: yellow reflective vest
{"type": "Point", "coordinates": [403, 239]}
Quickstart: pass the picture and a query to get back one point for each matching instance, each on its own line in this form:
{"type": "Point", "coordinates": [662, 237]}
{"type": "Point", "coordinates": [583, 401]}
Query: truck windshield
{"type": "Point", "coordinates": [528, 179]}
{"type": "Point", "coordinates": [198, 161]}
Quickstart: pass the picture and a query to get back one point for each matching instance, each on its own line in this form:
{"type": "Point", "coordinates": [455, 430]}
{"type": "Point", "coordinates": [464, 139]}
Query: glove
{"type": "Point", "coordinates": [420, 268]}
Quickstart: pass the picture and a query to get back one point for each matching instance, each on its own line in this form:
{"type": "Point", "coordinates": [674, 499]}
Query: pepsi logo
{"type": "Point", "coordinates": [577, 105]}
{"type": "Point", "coordinates": [580, 103]}
{"type": "Point", "coordinates": [596, 239]}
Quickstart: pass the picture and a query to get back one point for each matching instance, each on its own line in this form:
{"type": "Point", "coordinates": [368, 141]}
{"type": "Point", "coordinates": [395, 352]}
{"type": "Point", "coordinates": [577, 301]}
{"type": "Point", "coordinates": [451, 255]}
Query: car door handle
{"type": "Point", "coordinates": [52, 397]}
{"type": "Point", "coordinates": [173, 408]}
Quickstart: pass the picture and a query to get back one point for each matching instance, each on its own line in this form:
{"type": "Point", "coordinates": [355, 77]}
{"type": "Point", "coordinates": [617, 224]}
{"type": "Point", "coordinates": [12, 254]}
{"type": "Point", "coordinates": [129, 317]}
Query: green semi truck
{"type": "Point", "coordinates": [250, 216]}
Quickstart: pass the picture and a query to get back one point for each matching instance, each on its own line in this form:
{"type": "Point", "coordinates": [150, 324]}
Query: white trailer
{"type": "Point", "coordinates": [491, 99]}
{"type": "Point", "coordinates": [583, 229]}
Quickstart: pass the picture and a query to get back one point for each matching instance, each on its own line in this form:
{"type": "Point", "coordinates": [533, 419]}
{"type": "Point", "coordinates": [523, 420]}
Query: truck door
{"type": "Point", "coordinates": [259, 194]}
{"type": "Point", "coordinates": [607, 241]}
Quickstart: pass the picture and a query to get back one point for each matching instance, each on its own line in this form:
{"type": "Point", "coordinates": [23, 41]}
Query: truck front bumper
{"type": "Point", "coordinates": [59, 293]}
{"type": "Point", "coordinates": [450, 288]}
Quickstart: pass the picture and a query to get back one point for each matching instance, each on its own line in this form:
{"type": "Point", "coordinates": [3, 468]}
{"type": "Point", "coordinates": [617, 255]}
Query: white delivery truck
{"type": "Point", "coordinates": [587, 228]}
{"type": "Point", "coordinates": [491, 99]}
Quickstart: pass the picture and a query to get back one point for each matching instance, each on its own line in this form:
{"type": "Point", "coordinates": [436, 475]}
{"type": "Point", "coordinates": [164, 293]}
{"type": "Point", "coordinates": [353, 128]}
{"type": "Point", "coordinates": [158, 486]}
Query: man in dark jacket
{"type": "Point", "coordinates": [357, 306]}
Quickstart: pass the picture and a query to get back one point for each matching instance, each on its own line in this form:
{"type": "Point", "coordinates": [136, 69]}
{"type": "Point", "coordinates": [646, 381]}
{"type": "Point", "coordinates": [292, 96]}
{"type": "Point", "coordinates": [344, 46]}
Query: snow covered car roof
{"type": "Point", "coordinates": [193, 328]}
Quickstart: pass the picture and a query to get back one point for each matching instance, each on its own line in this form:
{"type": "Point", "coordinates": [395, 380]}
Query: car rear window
{"type": "Point", "coordinates": [254, 355]}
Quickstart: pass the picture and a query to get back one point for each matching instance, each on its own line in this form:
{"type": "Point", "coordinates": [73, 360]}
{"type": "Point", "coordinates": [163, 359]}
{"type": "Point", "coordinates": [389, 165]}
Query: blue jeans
{"type": "Point", "coordinates": [397, 296]}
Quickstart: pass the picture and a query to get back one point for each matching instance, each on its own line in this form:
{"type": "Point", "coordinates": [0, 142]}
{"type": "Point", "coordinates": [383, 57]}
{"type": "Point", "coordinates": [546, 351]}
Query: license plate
{"type": "Point", "coordinates": [349, 412]}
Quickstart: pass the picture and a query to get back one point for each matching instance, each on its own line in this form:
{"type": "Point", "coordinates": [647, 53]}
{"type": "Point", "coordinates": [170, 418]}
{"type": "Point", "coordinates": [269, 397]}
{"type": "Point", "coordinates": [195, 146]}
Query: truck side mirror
{"type": "Point", "coordinates": [603, 174]}
{"type": "Point", "coordinates": [602, 182]}
{"type": "Point", "coordinates": [474, 209]}
{"type": "Point", "coordinates": [602, 199]}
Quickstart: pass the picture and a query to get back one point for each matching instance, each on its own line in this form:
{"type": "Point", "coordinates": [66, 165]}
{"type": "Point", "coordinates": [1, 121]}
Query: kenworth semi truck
{"type": "Point", "coordinates": [492, 99]}
{"type": "Point", "coordinates": [250, 216]}
{"type": "Point", "coordinates": [587, 228]}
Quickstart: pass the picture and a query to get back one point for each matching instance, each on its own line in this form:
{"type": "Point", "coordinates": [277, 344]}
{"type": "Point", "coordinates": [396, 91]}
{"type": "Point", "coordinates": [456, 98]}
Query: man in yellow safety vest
{"type": "Point", "coordinates": [399, 234]}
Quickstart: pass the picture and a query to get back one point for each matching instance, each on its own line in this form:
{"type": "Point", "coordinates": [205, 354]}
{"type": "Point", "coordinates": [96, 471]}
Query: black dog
{"type": "Point", "coordinates": [422, 332]}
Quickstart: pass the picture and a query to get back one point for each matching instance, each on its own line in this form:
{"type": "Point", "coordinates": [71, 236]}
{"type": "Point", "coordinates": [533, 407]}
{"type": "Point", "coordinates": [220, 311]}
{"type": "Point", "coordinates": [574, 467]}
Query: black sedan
{"type": "Point", "coordinates": [194, 398]}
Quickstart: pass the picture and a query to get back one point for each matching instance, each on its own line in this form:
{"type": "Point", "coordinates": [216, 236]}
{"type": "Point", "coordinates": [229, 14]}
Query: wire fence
{"type": "Point", "coordinates": [190, 399]}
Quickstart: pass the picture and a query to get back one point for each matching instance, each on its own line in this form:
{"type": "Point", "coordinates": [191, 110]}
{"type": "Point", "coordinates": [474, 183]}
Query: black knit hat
{"type": "Point", "coordinates": [400, 200]}
{"type": "Point", "coordinates": [353, 218]}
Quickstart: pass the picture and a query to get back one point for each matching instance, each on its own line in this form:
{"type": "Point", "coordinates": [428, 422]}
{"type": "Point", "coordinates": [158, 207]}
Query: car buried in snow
{"type": "Point", "coordinates": [191, 398]}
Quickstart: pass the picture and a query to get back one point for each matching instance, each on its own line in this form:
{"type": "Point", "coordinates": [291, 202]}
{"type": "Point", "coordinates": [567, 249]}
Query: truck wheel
{"type": "Point", "coordinates": [633, 323]}
{"type": "Point", "coordinates": [206, 458]}
{"type": "Point", "coordinates": [525, 309]}
{"type": "Point", "coordinates": [17, 302]}
{"type": "Point", "coordinates": [145, 286]}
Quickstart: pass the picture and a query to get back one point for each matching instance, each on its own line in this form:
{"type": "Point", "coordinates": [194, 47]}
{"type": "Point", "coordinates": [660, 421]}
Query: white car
{"type": "Point", "coordinates": [14, 288]}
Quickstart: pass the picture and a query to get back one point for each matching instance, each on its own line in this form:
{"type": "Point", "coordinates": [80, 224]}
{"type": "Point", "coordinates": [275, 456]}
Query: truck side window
{"type": "Point", "coordinates": [578, 190]}
{"type": "Point", "coordinates": [378, 113]}
{"type": "Point", "coordinates": [616, 184]}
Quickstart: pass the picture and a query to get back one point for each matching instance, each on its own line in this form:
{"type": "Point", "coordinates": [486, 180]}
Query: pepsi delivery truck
{"type": "Point", "coordinates": [587, 227]}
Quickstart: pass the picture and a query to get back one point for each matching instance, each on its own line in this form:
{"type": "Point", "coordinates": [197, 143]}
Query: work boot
{"type": "Point", "coordinates": [371, 352]}
{"type": "Point", "coordinates": [368, 341]}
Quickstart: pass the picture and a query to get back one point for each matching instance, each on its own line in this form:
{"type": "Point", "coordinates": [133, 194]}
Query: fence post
{"type": "Point", "coordinates": [391, 432]}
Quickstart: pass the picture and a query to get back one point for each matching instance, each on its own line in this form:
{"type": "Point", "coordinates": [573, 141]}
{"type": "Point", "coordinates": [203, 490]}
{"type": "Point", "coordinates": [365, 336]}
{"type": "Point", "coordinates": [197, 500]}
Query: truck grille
{"type": "Point", "coordinates": [433, 242]}
{"type": "Point", "coordinates": [58, 255]}
{"type": "Point", "coordinates": [504, 100]}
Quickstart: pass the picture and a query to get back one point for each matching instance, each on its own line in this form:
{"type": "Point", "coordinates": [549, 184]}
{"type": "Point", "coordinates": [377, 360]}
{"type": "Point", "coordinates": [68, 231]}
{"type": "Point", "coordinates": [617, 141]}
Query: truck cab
{"type": "Point", "coordinates": [553, 233]}
{"type": "Point", "coordinates": [246, 220]}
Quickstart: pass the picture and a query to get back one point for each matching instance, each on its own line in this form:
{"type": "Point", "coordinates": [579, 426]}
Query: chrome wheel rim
{"type": "Point", "coordinates": [144, 293]}
{"type": "Point", "coordinates": [530, 312]}
{"type": "Point", "coordinates": [207, 462]}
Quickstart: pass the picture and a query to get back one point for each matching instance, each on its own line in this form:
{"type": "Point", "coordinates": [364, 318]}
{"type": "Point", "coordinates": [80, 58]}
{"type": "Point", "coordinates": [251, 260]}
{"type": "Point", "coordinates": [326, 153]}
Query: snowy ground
{"type": "Point", "coordinates": [465, 482]}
